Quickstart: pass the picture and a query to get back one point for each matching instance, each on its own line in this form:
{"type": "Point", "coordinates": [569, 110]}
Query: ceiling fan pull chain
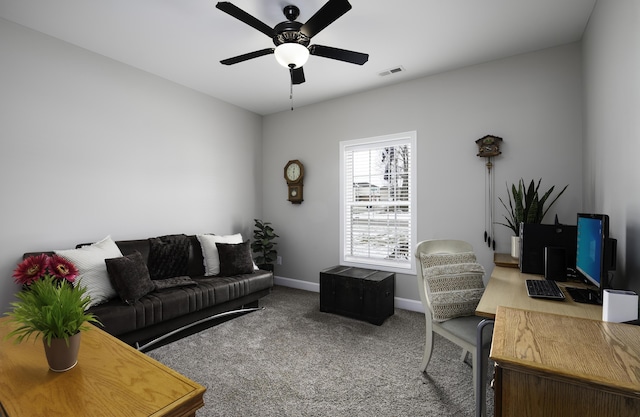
{"type": "Point", "coordinates": [291, 93]}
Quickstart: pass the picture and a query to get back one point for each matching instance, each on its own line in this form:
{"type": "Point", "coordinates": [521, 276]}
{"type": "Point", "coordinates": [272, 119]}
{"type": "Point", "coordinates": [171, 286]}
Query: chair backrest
{"type": "Point", "coordinates": [436, 246]}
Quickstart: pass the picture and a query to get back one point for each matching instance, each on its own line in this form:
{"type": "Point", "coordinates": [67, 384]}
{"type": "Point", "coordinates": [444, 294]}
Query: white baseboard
{"type": "Point", "coordinates": [296, 283]}
{"type": "Point", "coordinates": [408, 304]}
{"type": "Point", "coordinates": [403, 303]}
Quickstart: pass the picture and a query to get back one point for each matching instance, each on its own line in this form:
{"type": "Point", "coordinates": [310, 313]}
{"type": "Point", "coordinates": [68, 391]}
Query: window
{"type": "Point", "coordinates": [377, 202]}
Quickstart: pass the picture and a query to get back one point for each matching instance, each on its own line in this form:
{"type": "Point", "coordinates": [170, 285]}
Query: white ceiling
{"type": "Point", "coordinates": [184, 40]}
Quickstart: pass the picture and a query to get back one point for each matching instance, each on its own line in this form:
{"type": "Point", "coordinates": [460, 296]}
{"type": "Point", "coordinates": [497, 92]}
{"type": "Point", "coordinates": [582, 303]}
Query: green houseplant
{"type": "Point", "coordinates": [525, 204]}
{"type": "Point", "coordinates": [263, 244]}
{"type": "Point", "coordinates": [51, 307]}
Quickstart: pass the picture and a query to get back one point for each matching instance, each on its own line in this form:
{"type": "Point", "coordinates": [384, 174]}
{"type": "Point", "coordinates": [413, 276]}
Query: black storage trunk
{"type": "Point", "coordinates": [364, 294]}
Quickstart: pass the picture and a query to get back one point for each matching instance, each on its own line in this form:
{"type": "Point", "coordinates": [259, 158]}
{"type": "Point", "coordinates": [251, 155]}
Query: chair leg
{"type": "Point", "coordinates": [483, 362]}
{"type": "Point", "coordinates": [481, 359]}
{"type": "Point", "coordinates": [428, 349]}
{"type": "Point", "coordinates": [474, 364]}
{"type": "Point", "coordinates": [463, 357]}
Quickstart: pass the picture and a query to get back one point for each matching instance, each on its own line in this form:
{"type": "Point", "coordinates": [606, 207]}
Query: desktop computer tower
{"type": "Point", "coordinates": [536, 237]}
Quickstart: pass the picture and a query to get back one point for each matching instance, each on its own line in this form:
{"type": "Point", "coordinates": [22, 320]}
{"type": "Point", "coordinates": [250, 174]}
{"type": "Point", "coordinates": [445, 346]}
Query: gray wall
{"type": "Point", "coordinates": [91, 147]}
{"type": "Point", "coordinates": [611, 48]}
{"type": "Point", "coordinates": [533, 101]}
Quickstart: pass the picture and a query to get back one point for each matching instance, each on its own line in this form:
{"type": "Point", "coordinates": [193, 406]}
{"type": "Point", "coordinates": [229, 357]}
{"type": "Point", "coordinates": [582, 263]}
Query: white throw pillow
{"type": "Point", "coordinates": [453, 284]}
{"type": "Point", "coordinates": [92, 270]}
{"type": "Point", "coordinates": [210, 251]}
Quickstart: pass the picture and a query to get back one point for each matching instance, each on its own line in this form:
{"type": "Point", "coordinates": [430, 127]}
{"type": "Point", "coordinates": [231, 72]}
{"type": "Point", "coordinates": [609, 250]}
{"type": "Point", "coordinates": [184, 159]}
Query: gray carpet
{"type": "Point", "coordinates": [292, 360]}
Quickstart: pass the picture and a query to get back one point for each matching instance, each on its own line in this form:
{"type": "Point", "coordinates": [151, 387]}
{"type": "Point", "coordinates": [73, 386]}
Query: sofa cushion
{"type": "Point", "coordinates": [130, 277]}
{"type": "Point", "coordinates": [235, 258]}
{"type": "Point", "coordinates": [218, 290]}
{"type": "Point", "coordinates": [159, 306]}
{"type": "Point", "coordinates": [92, 270]}
{"type": "Point", "coordinates": [168, 256]}
{"type": "Point", "coordinates": [162, 284]}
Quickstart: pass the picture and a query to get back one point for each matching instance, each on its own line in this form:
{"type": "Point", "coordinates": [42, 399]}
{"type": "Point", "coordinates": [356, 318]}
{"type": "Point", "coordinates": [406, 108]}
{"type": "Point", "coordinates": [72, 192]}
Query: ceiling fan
{"type": "Point", "coordinates": [292, 38]}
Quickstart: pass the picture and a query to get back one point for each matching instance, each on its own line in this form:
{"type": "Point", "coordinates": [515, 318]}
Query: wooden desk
{"type": "Point", "coordinates": [552, 365]}
{"type": "Point", "coordinates": [506, 287]}
{"type": "Point", "coordinates": [111, 378]}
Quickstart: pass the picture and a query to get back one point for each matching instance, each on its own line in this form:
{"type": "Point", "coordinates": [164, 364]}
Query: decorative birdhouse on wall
{"type": "Point", "coordinates": [489, 146]}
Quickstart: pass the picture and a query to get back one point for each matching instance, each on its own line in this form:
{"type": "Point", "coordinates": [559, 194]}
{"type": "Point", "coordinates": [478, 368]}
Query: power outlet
{"type": "Point", "coordinates": [279, 260]}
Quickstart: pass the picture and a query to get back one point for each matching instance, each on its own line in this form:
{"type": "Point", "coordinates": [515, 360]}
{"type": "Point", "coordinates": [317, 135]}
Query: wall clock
{"type": "Point", "coordinates": [488, 147]}
{"type": "Point", "coordinates": [293, 174]}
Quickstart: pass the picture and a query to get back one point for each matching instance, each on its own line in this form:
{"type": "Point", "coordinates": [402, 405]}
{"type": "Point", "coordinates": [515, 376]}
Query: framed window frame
{"type": "Point", "coordinates": [346, 256]}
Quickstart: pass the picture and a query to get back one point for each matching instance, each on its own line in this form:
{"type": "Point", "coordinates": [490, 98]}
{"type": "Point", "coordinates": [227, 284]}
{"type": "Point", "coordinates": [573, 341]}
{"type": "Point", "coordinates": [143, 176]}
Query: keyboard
{"type": "Point", "coordinates": [544, 288]}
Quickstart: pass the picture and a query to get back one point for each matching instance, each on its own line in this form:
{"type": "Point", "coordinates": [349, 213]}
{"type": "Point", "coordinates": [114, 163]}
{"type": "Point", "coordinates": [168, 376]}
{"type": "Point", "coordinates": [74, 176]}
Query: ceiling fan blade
{"type": "Point", "coordinates": [327, 14]}
{"type": "Point", "coordinates": [245, 17]}
{"type": "Point", "coordinates": [245, 57]}
{"type": "Point", "coordinates": [339, 54]}
{"type": "Point", "coordinates": [297, 75]}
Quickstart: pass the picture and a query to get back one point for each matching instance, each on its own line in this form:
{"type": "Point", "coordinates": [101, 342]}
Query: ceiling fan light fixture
{"type": "Point", "coordinates": [291, 55]}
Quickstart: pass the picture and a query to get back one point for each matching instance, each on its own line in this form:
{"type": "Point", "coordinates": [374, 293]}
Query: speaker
{"type": "Point", "coordinates": [555, 263]}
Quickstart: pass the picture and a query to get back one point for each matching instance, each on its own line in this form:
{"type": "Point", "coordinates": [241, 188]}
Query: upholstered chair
{"type": "Point", "coordinates": [450, 283]}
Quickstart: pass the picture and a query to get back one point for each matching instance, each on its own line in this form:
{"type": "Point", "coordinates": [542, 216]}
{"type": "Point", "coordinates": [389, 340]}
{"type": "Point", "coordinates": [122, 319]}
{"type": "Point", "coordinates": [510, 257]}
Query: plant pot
{"type": "Point", "coordinates": [515, 247]}
{"type": "Point", "coordinates": [60, 356]}
{"type": "Point", "coordinates": [266, 267]}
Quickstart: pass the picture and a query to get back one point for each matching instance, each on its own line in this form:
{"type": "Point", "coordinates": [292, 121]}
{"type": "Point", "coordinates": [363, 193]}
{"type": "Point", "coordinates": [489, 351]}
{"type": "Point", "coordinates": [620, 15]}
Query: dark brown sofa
{"type": "Point", "coordinates": [166, 311]}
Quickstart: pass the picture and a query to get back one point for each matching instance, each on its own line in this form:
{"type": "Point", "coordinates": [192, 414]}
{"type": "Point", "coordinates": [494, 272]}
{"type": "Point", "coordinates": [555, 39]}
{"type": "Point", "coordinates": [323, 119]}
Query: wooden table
{"type": "Point", "coordinates": [111, 379]}
{"type": "Point", "coordinates": [554, 365]}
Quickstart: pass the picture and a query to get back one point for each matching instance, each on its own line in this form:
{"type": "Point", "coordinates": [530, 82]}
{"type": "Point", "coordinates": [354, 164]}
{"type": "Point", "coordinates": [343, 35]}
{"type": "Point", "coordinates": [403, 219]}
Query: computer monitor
{"type": "Point", "coordinates": [595, 251]}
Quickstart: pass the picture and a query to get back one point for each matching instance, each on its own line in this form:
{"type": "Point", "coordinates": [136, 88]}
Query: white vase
{"type": "Point", "coordinates": [515, 246]}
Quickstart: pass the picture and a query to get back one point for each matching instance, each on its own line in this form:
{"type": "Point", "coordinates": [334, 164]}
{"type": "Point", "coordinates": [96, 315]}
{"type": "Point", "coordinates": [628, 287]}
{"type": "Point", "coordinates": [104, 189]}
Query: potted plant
{"type": "Point", "coordinates": [525, 206]}
{"type": "Point", "coordinates": [50, 306]}
{"type": "Point", "coordinates": [263, 245]}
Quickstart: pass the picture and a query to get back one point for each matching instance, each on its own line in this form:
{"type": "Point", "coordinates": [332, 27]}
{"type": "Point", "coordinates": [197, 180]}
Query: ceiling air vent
{"type": "Point", "coordinates": [392, 71]}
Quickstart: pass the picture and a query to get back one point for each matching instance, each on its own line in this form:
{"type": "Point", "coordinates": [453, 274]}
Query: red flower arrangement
{"type": "Point", "coordinates": [39, 266]}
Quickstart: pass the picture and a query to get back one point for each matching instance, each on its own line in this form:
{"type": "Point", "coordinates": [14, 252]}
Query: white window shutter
{"type": "Point", "coordinates": [378, 202]}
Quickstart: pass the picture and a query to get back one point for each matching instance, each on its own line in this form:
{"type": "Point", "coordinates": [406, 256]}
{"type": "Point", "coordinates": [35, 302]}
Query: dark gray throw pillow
{"type": "Point", "coordinates": [235, 258]}
{"type": "Point", "coordinates": [169, 256]}
{"type": "Point", "coordinates": [130, 277]}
